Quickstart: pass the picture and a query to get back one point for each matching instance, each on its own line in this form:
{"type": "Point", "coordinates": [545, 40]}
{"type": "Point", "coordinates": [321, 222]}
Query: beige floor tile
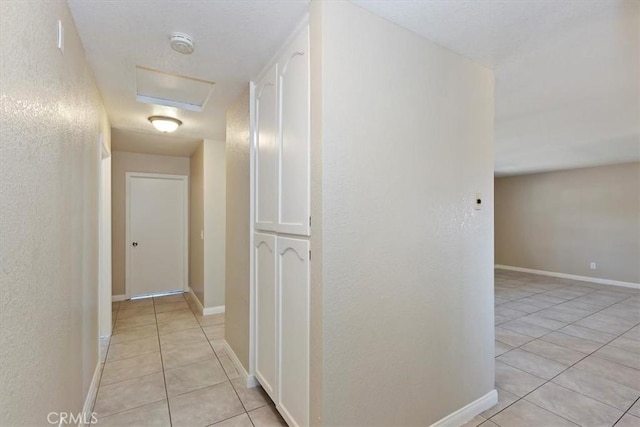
{"type": "Point", "coordinates": [195, 376]}
{"type": "Point", "coordinates": [501, 348]}
{"type": "Point", "coordinates": [212, 319]}
{"type": "Point", "coordinates": [172, 306]}
{"type": "Point", "coordinates": [555, 352]}
{"type": "Point", "coordinates": [551, 324]}
{"type": "Point", "coordinates": [267, 416]}
{"type": "Point", "coordinates": [574, 343]}
{"type": "Point", "coordinates": [587, 334]}
{"type": "Point", "coordinates": [129, 394]}
{"type": "Point", "coordinates": [628, 420]}
{"type": "Point", "coordinates": [177, 325]}
{"type": "Point", "coordinates": [626, 344]}
{"type": "Point", "coordinates": [152, 415]}
{"type": "Point", "coordinates": [134, 312]}
{"type": "Point", "coordinates": [132, 348]}
{"type": "Point", "coordinates": [609, 392]}
{"type": "Point", "coordinates": [525, 414]}
{"type": "Point", "coordinates": [214, 332]}
{"type": "Point", "coordinates": [168, 299]}
{"type": "Point", "coordinates": [576, 407]}
{"type": "Point", "coordinates": [132, 367]}
{"type": "Point", "coordinates": [131, 304]}
{"type": "Point", "coordinates": [238, 421]}
{"type": "Point", "coordinates": [173, 316]}
{"type": "Point", "coordinates": [180, 338]}
{"type": "Point", "coordinates": [610, 370]}
{"type": "Point", "coordinates": [504, 399]}
{"type": "Point", "coordinates": [512, 338]}
{"type": "Point", "coordinates": [526, 328]}
{"type": "Point", "coordinates": [252, 398]}
{"type": "Point", "coordinates": [516, 381]}
{"type": "Point", "coordinates": [532, 363]}
{"type": "Point", "coordinates": [132, 334]}
{"type": "Point", "coordinates": [229, 367]}
{"type": "Point", "coordinates": [187, 354]}
{"type": "Point", "coordinates": [219, 347]}
{"type": "Point", "coordinates": [131, 322]}
{"type": "Point", "coordinates": [475, 422]}
{"type": "Point", "coordinates": [618, 355]}
{"type": "Point", "coordinates": [205, 406]}
{"type": "Point", "coordinates": [600, 323]}
{"type": "Point", "coordinates": [633, 333]}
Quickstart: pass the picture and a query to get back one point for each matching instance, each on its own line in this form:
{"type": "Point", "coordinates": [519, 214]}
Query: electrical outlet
{"type": "Point", "coordinates": [592, 265]}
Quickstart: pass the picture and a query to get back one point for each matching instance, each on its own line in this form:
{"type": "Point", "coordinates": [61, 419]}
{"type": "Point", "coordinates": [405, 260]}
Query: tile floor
{"type": "Point", "coordinates": [166, 366]}
{"type": "Point", "coordinates": [567, 353]}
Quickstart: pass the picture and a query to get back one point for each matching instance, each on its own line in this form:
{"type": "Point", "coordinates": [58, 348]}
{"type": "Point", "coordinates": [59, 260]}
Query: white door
{"type": "Point", "coordinates": [293, 284]}
{"type": "Point", "coordinates": [293, 213]}
{"type": "Point", "coordinates": [156, 233]}
{"type": "Point", "coordinates": [266, 313]}
{"type": "Point", "coordinates": [266, 161]}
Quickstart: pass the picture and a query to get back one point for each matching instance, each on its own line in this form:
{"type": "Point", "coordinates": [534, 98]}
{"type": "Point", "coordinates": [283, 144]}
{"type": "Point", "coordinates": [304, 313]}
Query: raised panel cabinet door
{"type": "Point", "coordinates": [293, 84]}
{"type": "Point", "coordinates": [266, 312]}
{"type": "Point", "coordinates": [293, 284]}
{"type": "Point", "coordinates": [266, 160]}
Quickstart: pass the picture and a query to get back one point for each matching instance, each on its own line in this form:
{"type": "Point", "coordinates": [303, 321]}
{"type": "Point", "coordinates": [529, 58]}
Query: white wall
{"type": "Point", "coordinates": [214, 159]}
{"type": "Point", "coordinates": [51, 115]}
{"type": "Point", "coordinates": [105, 238]}
{"type": "Point", "coordinates": [196, 223]}
{"type": "Point", "coordinates": [405, 131]}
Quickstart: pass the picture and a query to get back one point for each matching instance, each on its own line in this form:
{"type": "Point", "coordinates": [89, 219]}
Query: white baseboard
{"type": "Point", "coordinates": [87, 409]}
{"type": "Point", "coordinates": [118, 298]}
{"type": "Point", "coordinates": [466, 413]}
{"type": "Point", "coordinates": [250, 380]}
{"type": "Point", "coordinates": [571, 276]}
{"type": "Point", "coordinates": [205, 311]}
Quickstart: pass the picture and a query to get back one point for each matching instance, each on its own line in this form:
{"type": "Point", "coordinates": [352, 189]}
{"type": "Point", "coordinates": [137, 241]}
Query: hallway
{"type": "Point", "coordinates": [167, 366]}
{"type": "Point", "coordinates": [567, 353]}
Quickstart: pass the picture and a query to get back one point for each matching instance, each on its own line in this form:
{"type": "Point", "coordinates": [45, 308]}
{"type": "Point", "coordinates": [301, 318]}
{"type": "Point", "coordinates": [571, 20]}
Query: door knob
{"type": "Point", "coordinates": [135, 244]}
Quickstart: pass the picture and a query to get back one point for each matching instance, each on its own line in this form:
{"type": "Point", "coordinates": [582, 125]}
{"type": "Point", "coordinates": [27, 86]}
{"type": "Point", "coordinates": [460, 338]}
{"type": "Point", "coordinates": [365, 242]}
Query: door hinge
{"type": "Point", "coordinates": [309, 255]}
{"type": "Point", "coordinates": [309, 221]}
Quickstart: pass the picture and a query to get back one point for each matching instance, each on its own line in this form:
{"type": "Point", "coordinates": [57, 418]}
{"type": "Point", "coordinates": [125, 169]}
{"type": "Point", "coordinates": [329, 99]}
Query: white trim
{"type": "Point", "coordinates": [250, 380]}
{"type": "Point", "coordinates": [201, 309]}
{"type": "Point", "coordinates": [252, 228]}
{"type": "Point", "coordinates": [118, 298]}
{"type": "Point", "coordinates": [185, 256]}
{"type": "Point", "coordinates": [87, 409]}
{"type": "Point", "coordinates": [469, 411]}
{"type": "Point", "coordinates": [571, 276]}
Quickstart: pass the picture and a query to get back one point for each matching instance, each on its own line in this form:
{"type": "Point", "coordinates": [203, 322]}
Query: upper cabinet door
{"type": "Point", "coordinates": [266, 160]}
{"type": "Point", "coordinates": [293, 84]}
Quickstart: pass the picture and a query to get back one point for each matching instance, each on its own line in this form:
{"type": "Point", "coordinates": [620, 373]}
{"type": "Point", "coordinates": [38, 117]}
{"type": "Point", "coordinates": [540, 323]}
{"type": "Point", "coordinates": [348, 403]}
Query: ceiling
{"type": "Point", "coordinates": [567, 73]}
{"type": "Point", "coordinates": [233, 41]}
{"type": "Point", "coordinates": [567, 92]}
{"type": "Point", "coordinates": [149, 143]}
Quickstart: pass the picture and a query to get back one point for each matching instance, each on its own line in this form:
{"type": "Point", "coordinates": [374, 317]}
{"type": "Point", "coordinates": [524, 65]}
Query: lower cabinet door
{"type": "Point", "coordinates": [293, 285]}
{"type": "Point", "coordinates": [266, 313]}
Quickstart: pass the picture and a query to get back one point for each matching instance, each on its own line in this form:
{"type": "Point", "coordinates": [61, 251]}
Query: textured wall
{"type": "Point", "coordinates": [51, 116]}
{"type": "Point", "coordinates": [196, 223]}
{"type": "Point", "coordinates": [407, 263]}
{"type": "Point", "coordinates": [215, 213]}
{"type": "Point", "coordinates": [562, 221]}
{"type": "Point", "coordinates": [121, 163]}
{"type": "Point", "coordinates": [238, 246]}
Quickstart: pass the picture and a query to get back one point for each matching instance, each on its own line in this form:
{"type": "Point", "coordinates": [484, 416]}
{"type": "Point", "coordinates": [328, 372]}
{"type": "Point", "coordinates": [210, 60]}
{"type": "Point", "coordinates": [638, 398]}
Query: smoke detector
{"type": "Point", "coordinates": [181, 42]}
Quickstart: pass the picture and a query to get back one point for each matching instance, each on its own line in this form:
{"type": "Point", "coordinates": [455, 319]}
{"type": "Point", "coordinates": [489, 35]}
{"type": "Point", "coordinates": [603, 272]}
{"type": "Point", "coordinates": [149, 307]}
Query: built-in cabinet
{"type": "Point", "coordinates": [282, 228]}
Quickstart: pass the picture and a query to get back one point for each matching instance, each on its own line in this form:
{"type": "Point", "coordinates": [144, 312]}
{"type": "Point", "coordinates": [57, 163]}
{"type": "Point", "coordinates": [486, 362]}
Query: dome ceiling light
{"type": "Point", "coordinates": [165, 124]}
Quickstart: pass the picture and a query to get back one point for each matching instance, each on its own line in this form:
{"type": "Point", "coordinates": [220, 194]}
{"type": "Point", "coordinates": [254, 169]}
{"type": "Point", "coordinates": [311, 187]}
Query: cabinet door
{"type": "Point", "coordinates": [293, 283]}
{"type": "Point", "coordinates": [266, 160]}
{"type": "Point", "coordinates": [266, 312]}
{"type": "Point", "coordinates": [293, 84]}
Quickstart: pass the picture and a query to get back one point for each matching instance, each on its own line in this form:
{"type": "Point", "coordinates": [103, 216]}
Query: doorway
{"type": "Point", "coordinates": [157, 207]}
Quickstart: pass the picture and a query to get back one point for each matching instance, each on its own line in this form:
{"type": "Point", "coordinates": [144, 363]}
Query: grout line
{"type": "Point", "coordinates": [570, 366]}
{"type": "Point", "coordinates": [164, 377]}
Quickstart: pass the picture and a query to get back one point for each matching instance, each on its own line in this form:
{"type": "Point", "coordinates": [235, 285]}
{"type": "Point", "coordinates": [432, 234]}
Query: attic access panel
{"type": "Point", "coordinates": [171, 90]}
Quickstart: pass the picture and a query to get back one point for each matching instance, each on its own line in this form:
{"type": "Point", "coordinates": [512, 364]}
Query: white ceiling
{"type": "Point", "coordinates": [567, 73]}
{"type": "Point", "coordinates": [150, 143]}
{"type": "Point", "coordinates": [233, 41]}
{"type": "Point", "coordinates": [567, 88]}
